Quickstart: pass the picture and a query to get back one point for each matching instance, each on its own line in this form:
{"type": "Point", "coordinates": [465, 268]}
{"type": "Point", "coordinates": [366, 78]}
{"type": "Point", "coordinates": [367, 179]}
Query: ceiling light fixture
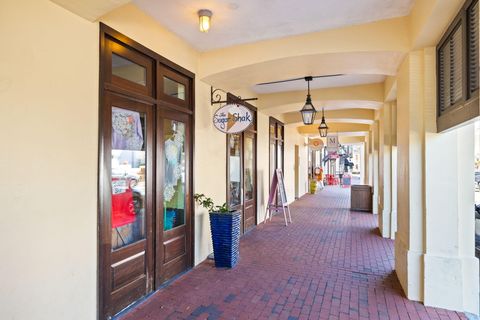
{"type": "Point", "coordinates": [204, 19]}
{"type": "Point", "coordinates": [308, 111]}
{"type": "Point", "coordinates": [323, 128]}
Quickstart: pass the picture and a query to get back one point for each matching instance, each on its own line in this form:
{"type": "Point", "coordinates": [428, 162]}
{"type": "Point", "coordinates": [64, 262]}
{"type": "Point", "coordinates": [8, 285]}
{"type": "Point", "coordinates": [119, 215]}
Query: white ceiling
{"type": "Point", "coordinates": [320, 83]}
{"type": "Point", "coordinates": [243, 21]}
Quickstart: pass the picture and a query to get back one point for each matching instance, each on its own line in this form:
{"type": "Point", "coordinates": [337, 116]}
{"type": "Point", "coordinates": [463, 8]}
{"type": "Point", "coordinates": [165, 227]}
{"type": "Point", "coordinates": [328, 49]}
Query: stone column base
{"type": "Point", "coordinates": [452, 283]}
{"type": "Point", "coordinates": [409, 269]}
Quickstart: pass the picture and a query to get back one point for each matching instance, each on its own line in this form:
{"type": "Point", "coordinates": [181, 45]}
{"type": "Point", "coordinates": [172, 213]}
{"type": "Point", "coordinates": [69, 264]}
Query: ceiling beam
{"type": "Point", "coordinates": [91, 10]}
{"type": "Point", "coordinates": [362, 116]}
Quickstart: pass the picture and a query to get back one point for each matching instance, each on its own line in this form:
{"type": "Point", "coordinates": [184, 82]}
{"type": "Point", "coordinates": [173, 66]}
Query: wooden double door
{"type": "Point", "coordinates": [242, 171]}
{"type": "Point", "coordinates": [145, 172]}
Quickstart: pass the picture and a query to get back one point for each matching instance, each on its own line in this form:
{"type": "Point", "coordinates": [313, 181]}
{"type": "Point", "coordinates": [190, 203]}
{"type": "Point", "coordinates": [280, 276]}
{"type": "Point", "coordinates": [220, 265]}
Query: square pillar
{"type": "Point", "coordinates": [385, 172]}
{"type": "Point", "coordinates": [434, 243]}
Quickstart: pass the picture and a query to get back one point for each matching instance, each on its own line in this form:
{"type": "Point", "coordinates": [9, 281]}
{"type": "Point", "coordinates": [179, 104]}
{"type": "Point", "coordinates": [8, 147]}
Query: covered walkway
{"type": "Point", "coordinates": [329, 264]}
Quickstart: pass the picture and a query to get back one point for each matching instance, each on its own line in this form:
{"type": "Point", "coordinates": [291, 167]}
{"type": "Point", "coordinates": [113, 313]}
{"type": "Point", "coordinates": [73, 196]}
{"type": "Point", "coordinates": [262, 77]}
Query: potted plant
{"type": "Point", "coordinates": [225, 228]}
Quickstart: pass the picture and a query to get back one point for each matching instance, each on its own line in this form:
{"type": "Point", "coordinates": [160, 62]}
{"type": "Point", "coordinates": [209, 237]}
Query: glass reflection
{"type": "Point", "coordinates": [127, 177]}
{"type": "Point", "coordinates": [174, 184]}
{"type": "Point", "coordinates": [235, 164]}
{"type": "Point", "coordinates": [173, 88]}
{"type": "Point", "coordinates": [128, 70]}
{"type": "Point", "coordinates": [249, 169]}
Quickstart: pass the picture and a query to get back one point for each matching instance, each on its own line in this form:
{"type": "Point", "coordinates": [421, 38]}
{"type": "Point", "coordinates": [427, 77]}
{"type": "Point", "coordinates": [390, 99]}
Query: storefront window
{"type": "Point", "coordinates": [128, 177]}
{"type": "Point", "coordinates": [235, 164]}
{"type": "Point", "coordinates": [249, 168]}
{"type": "Point", "coordinates": [174, 184]}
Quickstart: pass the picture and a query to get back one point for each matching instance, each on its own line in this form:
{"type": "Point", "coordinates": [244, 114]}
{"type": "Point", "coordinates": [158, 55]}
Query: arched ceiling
{"type": "Point", "coordinates": [379, 63]}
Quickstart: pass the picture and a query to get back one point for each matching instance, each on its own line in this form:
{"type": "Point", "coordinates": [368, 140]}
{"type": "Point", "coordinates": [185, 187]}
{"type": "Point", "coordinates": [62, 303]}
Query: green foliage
{"type": "Point", "coordinates": [208, 204]}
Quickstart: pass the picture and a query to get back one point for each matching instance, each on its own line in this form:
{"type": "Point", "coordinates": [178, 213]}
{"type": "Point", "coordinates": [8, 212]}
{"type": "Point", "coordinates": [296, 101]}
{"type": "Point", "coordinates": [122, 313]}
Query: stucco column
{"type": "Point", "coordinates": [375, 177]}
{"type": "Point", "coordinates": [385, 171]}
{"type": "Point", "coordinates": [393, 216]}
{"type": "Point", "coordinates": [369, 159]}
{"type": "Point", "coordinates": [451, 269]}
{"type": "Point", "coordinates": [434, 245]}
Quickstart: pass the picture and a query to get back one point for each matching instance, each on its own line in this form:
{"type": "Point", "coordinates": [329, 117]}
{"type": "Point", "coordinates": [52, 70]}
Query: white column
{"type": "Point", "coordinates": [434, 244]}
{"type": "Point", "coordinates": [409, 241]}
{"type": "Point", "coordinates": [451, 269]}
{"type": "Point", "coordinates": [385, 170]}
{"type": "Point", "coordinates": [393, 220]}
{"type": "Point", "coordinates": [375, 182]}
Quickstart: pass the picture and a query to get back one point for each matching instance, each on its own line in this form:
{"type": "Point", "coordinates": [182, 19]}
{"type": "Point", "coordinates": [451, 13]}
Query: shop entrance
{"type": "Point", "coordinates": [145, 172]}
{"type": "Point", "coordinates": [242, 170]}
{"type": "Point", "coordinates": [276, 131]}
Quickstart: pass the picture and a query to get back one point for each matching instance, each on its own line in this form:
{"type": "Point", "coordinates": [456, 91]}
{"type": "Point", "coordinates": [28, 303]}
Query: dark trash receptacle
{"type": "Point", "coordinates": [361, 198]}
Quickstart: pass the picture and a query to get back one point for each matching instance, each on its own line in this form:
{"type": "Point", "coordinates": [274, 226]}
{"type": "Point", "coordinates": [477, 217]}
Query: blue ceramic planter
{"type": "Point", "coordinates": [225, 229]}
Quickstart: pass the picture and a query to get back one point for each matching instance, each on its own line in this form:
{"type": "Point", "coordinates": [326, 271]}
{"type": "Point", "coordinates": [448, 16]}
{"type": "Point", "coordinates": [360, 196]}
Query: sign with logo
{"type": "Point", "coordinates": [332, 144]}
{"type": "Point", "coordinates": [232, 118]}
{"type": "Point", "coordinates": [315, 144]}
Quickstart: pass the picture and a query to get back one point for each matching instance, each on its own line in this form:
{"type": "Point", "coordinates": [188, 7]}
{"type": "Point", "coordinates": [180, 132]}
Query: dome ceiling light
{"type": "Point", "coordinates": [204, 19]}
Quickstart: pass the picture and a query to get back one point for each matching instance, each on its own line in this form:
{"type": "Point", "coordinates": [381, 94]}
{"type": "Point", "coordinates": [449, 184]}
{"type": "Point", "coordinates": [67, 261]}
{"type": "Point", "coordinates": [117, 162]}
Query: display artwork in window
{"type": "Point", "coordinates": [174, 184]}
{"type": "Point", "coordinates": [128, 162]}
{"type": "Point", "coordinates": [127, 130]}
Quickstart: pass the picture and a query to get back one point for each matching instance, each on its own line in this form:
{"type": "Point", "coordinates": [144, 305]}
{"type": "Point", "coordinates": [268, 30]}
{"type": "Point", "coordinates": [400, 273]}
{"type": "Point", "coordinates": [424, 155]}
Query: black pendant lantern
{"type": "Point", "coordinates": [323, 128]}
{"type": "Point", "coordinates": [308, 111]}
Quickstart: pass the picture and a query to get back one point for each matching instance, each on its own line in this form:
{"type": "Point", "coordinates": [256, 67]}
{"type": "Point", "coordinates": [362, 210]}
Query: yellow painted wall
{"type": "Point", "coordinates": [49, 99]}
{"type": "Point", "coordinates": [48, 162]}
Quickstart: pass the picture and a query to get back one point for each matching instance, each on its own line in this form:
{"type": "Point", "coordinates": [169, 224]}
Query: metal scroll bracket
{"type": "Point", "coordinates": [216, 96]}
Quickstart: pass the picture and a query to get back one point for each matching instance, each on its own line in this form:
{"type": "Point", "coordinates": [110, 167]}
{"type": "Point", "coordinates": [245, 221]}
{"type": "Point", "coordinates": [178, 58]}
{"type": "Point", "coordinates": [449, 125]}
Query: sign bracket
{"type": "Point", "coordinates": [216, 96]}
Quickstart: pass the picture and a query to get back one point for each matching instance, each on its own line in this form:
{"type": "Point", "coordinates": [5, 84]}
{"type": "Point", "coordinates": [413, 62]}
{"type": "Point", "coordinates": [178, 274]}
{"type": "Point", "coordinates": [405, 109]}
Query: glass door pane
{"type": "Point", "coordinates": [174, 183]}
{"type": "Point", "coordinates": [128, 162]}
{"type": "Point", "coordinates": [235, 172]}
{"type": "Point", "coordinates": [249, 167]}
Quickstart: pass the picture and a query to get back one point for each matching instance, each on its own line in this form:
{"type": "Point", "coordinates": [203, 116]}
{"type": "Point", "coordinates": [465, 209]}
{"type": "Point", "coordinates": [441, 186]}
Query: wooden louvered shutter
{"type": "Point", "coordinates": [458, 69]}
{"type": "Point", "coordinates": [451, 70]}
{"type": "Point", "coordinates": [473, 47]}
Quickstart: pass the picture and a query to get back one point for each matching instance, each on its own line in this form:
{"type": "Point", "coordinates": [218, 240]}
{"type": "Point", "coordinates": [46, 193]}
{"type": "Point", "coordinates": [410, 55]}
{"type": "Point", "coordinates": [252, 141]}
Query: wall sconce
{"type": "Point", "coordinates": [204, 19]}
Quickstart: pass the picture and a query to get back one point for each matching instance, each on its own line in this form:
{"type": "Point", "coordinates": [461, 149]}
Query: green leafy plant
{"type": "Point", "coordinates": [207, 203]}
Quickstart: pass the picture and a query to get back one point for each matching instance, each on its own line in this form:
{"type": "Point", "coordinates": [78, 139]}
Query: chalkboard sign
{"type": "Point", "coordinates": [281, 186]}
{"type": "Point", "coordinates": [278, 188]}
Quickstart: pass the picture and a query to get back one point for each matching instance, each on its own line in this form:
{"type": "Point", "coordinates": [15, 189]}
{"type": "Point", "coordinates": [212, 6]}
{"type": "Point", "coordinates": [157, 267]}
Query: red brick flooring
{"type": "Point", "coordinates": [329, 264]}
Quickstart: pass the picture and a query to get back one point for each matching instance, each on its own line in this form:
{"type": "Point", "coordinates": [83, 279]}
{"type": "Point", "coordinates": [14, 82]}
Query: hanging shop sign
{"type": "Point", "coordinates": [315, 144]}
{"type": "Point", "coordinates": [332, 144]}
{"type": "Point", "coordinates": [232, 118]}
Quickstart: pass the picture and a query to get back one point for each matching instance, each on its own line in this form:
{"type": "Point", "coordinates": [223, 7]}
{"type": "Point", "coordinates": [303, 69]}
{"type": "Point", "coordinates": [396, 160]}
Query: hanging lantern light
{"type": "Point", "coordinates": [323, 128]}
{"type": "Point", "coordinates": [308, 111]}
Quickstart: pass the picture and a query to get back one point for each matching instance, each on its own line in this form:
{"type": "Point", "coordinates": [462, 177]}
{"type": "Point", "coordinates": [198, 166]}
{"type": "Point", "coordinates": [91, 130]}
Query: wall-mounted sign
{"type": "Point", "coordinates": [232, 118]}
{"type": "Point", "coordinates": [332, 144]}
{"type": "Point", "coordinates": [315, 144]}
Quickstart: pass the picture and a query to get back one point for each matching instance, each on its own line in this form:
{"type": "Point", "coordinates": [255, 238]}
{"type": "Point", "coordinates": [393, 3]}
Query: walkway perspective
{"type": "Point", "coordinates": [331, 263]}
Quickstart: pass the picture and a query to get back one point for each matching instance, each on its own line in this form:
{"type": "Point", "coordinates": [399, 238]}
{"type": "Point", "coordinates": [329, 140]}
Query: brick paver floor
{"type": "Point", "coordinates": [329, 264]}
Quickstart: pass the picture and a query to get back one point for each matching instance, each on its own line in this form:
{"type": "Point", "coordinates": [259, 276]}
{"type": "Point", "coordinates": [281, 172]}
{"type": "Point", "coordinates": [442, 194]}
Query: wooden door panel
{"type": "Point", "coordinates": [174, 248]}
{"type": "Point", "coordinates": [174, 233]}
{"type": "Point", "coordinates": [128, 294]}
{"type": "Point", "coordinates": [249, 213]}
{"type": "Point", "coordinates": [127, 232]}
{"type": "Point", "coordinates": [128, 270]}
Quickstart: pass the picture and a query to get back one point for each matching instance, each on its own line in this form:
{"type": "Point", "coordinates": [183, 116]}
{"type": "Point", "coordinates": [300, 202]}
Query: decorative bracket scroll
{"type": "Point", "coordinates": [216, 96]}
